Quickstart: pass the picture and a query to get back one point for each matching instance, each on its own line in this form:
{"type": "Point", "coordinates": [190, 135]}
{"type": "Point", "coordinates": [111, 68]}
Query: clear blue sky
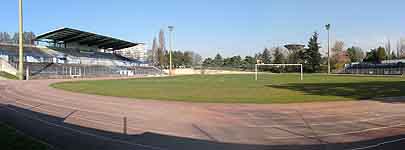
{"type": "Point", "coordinates": [231, 27]}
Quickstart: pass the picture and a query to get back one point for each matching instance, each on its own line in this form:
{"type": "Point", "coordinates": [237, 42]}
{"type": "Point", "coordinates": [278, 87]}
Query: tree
{"type": "Point", "coordinates": [154, 53]}
{"type": "Point", "coordinates": [162, 40]}
{"type": "Point", "coordinates": [371, 57]}
{"type": "Point", "coordinates": [393, 55]}
{"type": "Point", "coordinates": [311, 56]}
{"type": "Point", "coordinates": [266, 56]}
{"type": "Point", "coordinates": [278, 56]}
{"type": "Point", "coordinates": [381, 54]}
{"type": "Point", "coordinates": [5, 37]}
{"type": "Point", "coordinates": [376, 55]}
{"type": "Point", "coordinates": [196, 59]}
{"type": "Point", "coordinates": [235, 61]}
{"type": "Point", "coordinates": [356, 54]}
{"type": "Point", "coordinates": [161, 52]}
{"type": "Point", "coordinates": [401, 48]}
{"type": "Point", "coordinates": [208, 62]}
{"type": "Point", "coordinates": [187, 58]}
{"type": "Point", "coordinates": [340, 57]}
{"type": "Point", "coordinates": [388, 49]}
{"type": "Point", "coordinates": [29, 38]}
{"type": "Point", "coordinates": [249, 60]}
{"type": "Point", "coordinates": [338, 47]}
{"type": "Point", "coordinates": [15, 38]}
{"type": "Point", "coordinates": [218, 61]}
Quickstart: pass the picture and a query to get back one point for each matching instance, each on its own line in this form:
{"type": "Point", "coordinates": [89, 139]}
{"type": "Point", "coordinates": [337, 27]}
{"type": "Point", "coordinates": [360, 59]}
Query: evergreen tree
{"type": "Point", "coordinates": [278, 56]}
{"type": "Point", "coordinates": [249, 60]}
{"type": "Point", "coordinates": [266, 56]}
{"type": "Point", "coordinates": [311, 55]}
{"type": "Point", "coordinates": [372, 57]}
{"type": "Point", "coordinates": [381, 54]}
{"type": "Point", "coordinates": [208, 62]}
{"type": "Point", "coordinates": [218, 60]}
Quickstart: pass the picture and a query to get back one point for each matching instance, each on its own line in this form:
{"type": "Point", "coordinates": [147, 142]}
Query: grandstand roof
{"type": "Point", "coordinates": [68, 35]}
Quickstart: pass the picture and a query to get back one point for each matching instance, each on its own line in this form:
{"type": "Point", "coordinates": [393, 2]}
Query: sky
{"type": "Point", "coordinates": [229, 27]}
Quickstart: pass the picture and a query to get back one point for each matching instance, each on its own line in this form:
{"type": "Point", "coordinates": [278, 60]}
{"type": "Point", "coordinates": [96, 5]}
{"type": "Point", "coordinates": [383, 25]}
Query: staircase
{"type": "Point", "coordinates": [6, 67]}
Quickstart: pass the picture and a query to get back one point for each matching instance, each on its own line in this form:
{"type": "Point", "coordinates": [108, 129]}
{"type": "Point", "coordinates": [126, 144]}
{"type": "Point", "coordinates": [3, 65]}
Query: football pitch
{"type": "Point", "coordinates": [270, 88]}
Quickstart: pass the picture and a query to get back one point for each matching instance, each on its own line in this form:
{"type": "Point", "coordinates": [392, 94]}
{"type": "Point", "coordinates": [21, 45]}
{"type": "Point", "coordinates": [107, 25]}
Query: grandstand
{"type": "Point", "coordinates": [71, 53]}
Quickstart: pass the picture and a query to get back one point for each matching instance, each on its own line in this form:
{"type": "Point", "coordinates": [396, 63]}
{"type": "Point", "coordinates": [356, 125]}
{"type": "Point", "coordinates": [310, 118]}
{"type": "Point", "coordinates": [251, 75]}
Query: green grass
{"type": "Point", "coordinates": [7, 75]}
{"type": "Point", "coordinates": [10, 139]}
{"type": "Point", "coordinates": [285, 88]}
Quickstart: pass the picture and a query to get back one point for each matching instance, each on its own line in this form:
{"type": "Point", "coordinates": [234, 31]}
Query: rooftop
{"type": "Point", "coordinates": [69, 35]}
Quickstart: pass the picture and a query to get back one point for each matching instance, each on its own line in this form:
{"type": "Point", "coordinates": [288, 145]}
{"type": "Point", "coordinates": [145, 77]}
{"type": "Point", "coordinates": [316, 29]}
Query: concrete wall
{"type": "Point", "coordinates": [189, 71]}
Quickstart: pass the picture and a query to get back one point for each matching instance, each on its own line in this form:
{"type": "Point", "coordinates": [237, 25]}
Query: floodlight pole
{"type": "Point", "coordinates": [328, 29]}
{"type": "Point", "coordinates": [171, 49]}
{"type": "Point", "coordinates": [21, 46]}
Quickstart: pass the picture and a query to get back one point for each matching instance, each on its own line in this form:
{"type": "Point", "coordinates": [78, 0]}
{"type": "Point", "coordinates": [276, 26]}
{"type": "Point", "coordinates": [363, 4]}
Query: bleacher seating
{"type": "Point", "coordinates": [28, 51]}
{"type": "Point", "coordinates": [46, 62]}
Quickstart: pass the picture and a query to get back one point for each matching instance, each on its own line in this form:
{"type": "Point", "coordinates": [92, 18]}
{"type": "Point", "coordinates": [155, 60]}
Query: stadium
{"type": "Point", "coordinates": [71, 53]}
{"type": "Point", "coordinates": [72, 89]}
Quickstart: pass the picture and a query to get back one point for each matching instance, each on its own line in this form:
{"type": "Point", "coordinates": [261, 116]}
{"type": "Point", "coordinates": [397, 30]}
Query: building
{"type": "Point", "coordinates": [137, 52]}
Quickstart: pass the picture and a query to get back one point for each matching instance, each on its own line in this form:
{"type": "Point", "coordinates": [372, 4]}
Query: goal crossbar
{"type": "Point", "coordinates": [300, 65]}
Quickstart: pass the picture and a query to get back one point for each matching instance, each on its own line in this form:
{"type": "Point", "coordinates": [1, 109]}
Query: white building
{"type": "Point", "coordinates": [137, 52]}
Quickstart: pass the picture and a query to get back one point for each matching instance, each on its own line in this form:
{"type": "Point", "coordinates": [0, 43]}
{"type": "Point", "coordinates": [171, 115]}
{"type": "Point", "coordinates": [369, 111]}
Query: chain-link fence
{"type": "Point", "coordinates": [375, 69]}
{"type": "Point", "coordinates": [51, 70]}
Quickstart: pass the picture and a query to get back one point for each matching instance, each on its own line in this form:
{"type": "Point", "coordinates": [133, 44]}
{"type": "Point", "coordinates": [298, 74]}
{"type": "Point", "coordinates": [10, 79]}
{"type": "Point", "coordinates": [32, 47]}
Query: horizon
{"type": "Point", "coordinates": [228, 27]}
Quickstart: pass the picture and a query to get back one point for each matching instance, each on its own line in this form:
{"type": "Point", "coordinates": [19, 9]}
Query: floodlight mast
{"type": "Point", "coordinates": [300, 65]}
{"type": "Point", "coordinates": [171, 28]}
{"type": "Point", "coordinates": [328, 29]}
{"type": "Point", "coordinates": [20, 40]}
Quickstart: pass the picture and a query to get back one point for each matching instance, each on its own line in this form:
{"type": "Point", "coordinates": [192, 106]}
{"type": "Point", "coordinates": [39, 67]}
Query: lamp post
{"type": "Point", "coordinates": [328, 29]}
{"type": "Point", "coordinates": [20, 33]}
{"type": "Point", "coordinates": [171, 28]}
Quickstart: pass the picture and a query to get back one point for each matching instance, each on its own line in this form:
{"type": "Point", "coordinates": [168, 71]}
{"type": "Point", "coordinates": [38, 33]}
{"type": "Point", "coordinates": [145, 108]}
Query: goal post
{"type": "Point", "coordinates": [300, 65]}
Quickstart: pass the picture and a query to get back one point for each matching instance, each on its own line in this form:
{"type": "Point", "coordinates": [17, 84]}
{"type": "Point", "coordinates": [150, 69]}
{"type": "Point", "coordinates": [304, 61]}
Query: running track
{"type": "Point", "coordinates": [98, 121]}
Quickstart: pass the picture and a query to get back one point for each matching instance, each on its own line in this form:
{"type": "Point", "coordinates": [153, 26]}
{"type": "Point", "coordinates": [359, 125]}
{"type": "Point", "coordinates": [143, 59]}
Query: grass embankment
{"type": "Point", "coordinates": [11, 139]}
{"type": "Point", "coordinates": [278, 88]}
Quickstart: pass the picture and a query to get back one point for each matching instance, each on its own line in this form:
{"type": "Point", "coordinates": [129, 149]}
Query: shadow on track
{"type": "Point", "coordinates": [61, 135]}
{"type": "Point", "coordinates": [356, 90]}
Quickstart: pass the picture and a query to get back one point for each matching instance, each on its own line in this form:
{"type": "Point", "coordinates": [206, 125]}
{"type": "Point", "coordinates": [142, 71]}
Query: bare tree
{"type": "Point", "coordinates": [155, 47]}
{"type": "Point", "coordinates": [162, 40]}
{"type": "Point", "coordinates": [338, 47]}
{"type": "Point", "coordinates": [4, 37]}
{"type": "Point", "coordinates": [196, 59]}
{"type": "Point", "coordinates": [388, 49]}
{"type": "Point", "coordinates": [401, 48]}
{"type": "Point", "coordinates": [339, 56]}
{"type": "Point", "coordinates": [15, 38]}
{"type": "Point", "coordinates": [161, 53]}
{"type": "Point", "coordinates": [29, 38]}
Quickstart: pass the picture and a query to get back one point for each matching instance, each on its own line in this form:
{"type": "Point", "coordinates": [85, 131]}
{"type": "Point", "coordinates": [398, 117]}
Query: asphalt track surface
{"type": "Point", "coordinates": [69, 120]}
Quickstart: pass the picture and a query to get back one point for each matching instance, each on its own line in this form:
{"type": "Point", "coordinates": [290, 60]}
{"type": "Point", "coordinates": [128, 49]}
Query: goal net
{"type": "Point", "coordinates": [279, 68]}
